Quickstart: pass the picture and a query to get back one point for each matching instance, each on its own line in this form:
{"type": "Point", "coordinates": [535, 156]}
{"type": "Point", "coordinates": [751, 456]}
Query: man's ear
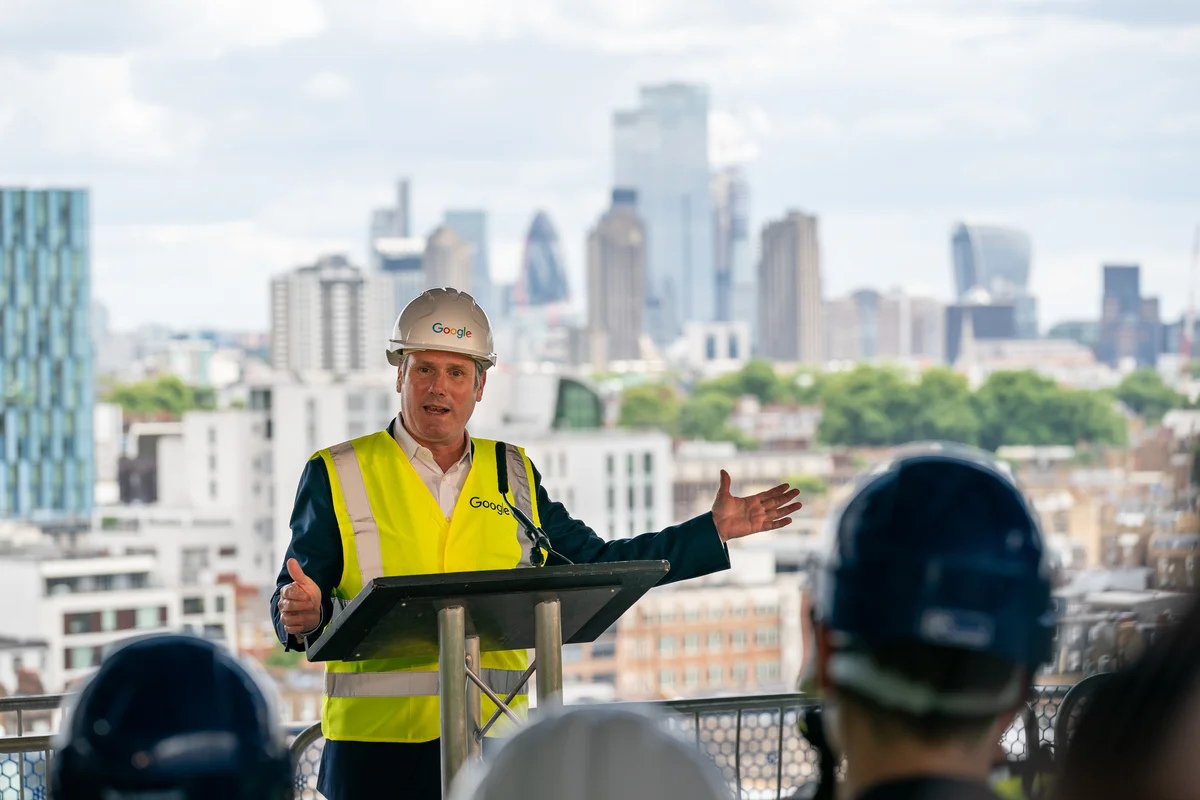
{"type": "Point", "coordinates": [482, 383]}
{"type": "Point", "coordinates": [399, 376]}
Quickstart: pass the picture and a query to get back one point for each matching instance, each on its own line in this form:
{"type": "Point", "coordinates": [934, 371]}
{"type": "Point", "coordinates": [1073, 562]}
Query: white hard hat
{"type": "Point", "coordinates": [593, 753]}
{"type": "Point", "coordinates": [443, 319]}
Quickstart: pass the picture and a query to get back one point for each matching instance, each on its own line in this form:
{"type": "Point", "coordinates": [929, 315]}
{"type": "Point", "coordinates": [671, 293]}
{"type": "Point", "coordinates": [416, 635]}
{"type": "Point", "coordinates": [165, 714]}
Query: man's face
{"type": "Point", "coordinates": [438, 395]}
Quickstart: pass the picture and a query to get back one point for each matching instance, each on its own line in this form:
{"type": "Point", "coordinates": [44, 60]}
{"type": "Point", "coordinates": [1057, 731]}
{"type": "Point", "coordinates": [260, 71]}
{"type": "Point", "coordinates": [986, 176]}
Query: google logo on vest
{"type": "Point", "coordinates": [459, 332]}
{"type": "Point", "coordinates": [478, 502]}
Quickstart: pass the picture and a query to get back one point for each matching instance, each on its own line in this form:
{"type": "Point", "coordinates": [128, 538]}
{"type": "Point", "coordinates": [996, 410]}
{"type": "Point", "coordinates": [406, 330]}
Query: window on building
{"type": "Point", "coordinates": [572, 653]}
{"type": "Point", "coordinates": [710, 347]}
{"type": "Point", "coordinates": [666, 645]}
{"type": "Point", "coordinates": [612, 498]}
{"type": "Point", "coordinates": [77, 623]}
{"type": "Point", "coordinates": [649, 496]}
{"type": "Point", "coordinates": [691, 644]}
{"type": "Point", "coordinates": [604, 649]}
{"type": "Point", "coordinates": [147, 617]}
{"type": "Point", "coordinates": [80, 657]}
{"type": "Point", "coordinates": [666, 615]}
{"type": "Point", "coordinates": [666, 678]}
{"type": "Point", "coordinates": [562, 465]}
{"type": "Point", "coordinates": [691, 677]}
{"type": "Point", "coordinates": [766, 609]}
{"type": "Point", "coordinates": [738, 673]}
{"type": "Point", "coordinates": [641, 648]}
{"type": "Point", "coordinates": [220, 602]}
{"type": "Point", "coordinates": [212, 462]}
{"type": "Point", "coordinates": [630, 498]}
{"type": "Point", "coordinates": [691, 615]}
{"type": "Point", "coordinates": [715, 674]}
{"type": "Point", "coordinates": [715, 640]}
{"type": "Point", "coordinates": [737, 641]}
{"type": "Point", "coordinates": [193, 605]}
{"type": "Point", "coordinates": [767, 671]}
{"type": "Point", "coordinates": [648, 463]}
{"type": "Point", "coordinates": [608, 464]}
{"type": "Point", "coordinates": [229, 551]}
{"type": "Point", "coordinates": [733, 347]}
{"type": "Point", "coordinates": [766, 636]}
{"type": "Point", "coordinates": [578, 407]}
{"type": "Point", "coordinates": [212, 490]}
{"type": "Point", "coordinates": [212, 435]}
{"type": "Point", "coordinates": [108, 619]}
{"type": "Point", "coordinates": [738, 612]}
{"type": "Point", "coordinates": [629, 464]}
{"type": "Point", "coordinates": [716, 612]}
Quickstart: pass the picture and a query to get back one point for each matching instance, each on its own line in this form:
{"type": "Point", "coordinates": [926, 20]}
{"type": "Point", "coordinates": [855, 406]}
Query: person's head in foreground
{"type": "Point", "coordinates": [932, 612]}
{"type": "Point", "coordinates": [1138, 734]}
{"type": "Point", "coordinates": [594, 753]}
{"type": "Point", "coordinates": [176, 717]}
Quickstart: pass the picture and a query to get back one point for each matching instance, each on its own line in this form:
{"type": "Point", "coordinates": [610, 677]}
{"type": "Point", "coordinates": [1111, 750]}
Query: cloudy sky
{"type": "Point", "coordinates": [225, 140]}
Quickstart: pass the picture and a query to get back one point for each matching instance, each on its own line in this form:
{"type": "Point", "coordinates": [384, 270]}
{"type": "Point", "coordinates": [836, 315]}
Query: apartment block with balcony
{"type": "Point", "coordinates": [82, 602]}
{"type": "Point", "coordinates": [710, 640]}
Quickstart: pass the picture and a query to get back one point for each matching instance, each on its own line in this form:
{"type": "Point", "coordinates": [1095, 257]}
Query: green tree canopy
{"type": "Point", "coordinates": [1024, 408]}
{"type": "Point", "coordinates": [1147, 396]}
{"type": "Point", "coordinates": [164, 394]}
{"type": "Point", "coordinates": [867, 406]}
{"type": "Point", "coordinates": [653, 405]}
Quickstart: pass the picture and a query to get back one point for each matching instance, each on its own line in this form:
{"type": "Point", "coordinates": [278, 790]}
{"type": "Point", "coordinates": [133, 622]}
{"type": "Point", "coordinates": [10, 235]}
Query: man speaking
{"type": "Point", "coordinates": [425, 497]}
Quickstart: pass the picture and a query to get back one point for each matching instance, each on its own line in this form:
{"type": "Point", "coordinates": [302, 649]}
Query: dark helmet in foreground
{"type": "Point", "coordinates": [172, 716]}
{"type": "Point", "coordinates": [936, 546]}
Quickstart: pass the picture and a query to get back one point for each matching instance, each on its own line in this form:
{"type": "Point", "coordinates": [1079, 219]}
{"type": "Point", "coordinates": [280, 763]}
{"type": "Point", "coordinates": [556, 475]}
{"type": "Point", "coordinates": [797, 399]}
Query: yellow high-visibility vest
{"type": "Point", "coordinates": [390, 524]}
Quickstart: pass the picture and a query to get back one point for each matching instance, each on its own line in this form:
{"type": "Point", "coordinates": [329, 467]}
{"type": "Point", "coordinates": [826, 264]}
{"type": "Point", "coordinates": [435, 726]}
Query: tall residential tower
{"type": "Point", "coordinates": [46, 382]}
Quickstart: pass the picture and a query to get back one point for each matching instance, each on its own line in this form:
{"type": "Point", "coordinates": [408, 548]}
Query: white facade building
{"type": "Point", "coordinates": [83, 603]}
{"type": "Point", "coordinates": [107, 430]}
{"type": "Point", "coordinates": [716, 348]}
{"type": "Point", "coordinates": [319, 317]}
{"type": "Point", "coordinates": [617, 482]}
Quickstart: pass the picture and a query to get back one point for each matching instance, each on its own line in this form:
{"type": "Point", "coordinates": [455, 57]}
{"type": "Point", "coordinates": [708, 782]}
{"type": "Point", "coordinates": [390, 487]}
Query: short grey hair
{"type": "Point", "coordinates": [479, 367]}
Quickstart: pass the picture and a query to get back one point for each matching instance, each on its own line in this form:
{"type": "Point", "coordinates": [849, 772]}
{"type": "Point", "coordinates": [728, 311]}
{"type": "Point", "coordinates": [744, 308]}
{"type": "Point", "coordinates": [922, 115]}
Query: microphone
{"type": "Point", "coordinates": [536, 535]}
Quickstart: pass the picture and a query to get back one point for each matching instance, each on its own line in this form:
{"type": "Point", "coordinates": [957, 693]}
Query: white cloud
{"type": "Point", "coordinates": [198, 275]}
{"type": "Point", "coordinates": [328, 86]}
{"type": "Point", "coordinates": [83, 108]}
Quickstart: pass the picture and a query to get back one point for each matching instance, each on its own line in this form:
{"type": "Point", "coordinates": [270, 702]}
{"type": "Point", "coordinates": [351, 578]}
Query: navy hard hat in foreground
{"type": "Point", "coordinates": [172, 716]}
{"type": "Point", "coordinates": [938, 546]}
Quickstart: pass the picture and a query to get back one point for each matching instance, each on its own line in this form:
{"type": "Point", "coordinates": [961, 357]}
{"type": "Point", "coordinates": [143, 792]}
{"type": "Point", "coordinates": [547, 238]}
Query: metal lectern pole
{"type": "Point", "coordinates": [473, 700]}
{"type": "Point", "coordinates": [452, 685]}
{"type": "Point", "coordinates": [547, 636]}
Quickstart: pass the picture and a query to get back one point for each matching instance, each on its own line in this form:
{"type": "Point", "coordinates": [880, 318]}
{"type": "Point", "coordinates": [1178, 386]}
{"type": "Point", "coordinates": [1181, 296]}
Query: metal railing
{"type": "Point", "coordinates": [754, 740]}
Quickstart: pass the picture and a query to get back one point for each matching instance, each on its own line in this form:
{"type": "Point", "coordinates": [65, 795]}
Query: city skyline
{"type": "Point", "coordinates": [895, 122]}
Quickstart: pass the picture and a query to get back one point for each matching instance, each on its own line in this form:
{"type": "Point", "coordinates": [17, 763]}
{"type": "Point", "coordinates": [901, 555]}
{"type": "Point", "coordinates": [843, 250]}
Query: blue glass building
{"type": "Point", "coordinates": [997, 261]}
{"type": "Point", "coordinates": [543, 278]}
{"type": "Point", "coordinates": [471, 227]}
{"type": "Point", "coordinates": [46, 442]}
{"type": "Point", "coordinates": [660, 149]}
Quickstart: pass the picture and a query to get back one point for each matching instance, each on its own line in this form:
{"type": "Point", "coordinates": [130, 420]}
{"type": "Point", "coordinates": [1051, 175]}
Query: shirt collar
{"type": "Point", "coordinates": [413, 449]}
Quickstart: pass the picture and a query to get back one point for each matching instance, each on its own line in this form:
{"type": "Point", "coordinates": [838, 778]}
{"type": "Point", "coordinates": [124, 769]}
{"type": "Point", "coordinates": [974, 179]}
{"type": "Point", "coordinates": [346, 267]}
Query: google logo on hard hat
{"type": "Point", "coordinates": [459, 332]}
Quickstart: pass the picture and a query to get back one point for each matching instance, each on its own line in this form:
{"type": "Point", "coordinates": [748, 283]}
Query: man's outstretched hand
{"type": "Point", "coordinates": [299, 601]}
{"type": "Point", "coordinates": [736, 517]}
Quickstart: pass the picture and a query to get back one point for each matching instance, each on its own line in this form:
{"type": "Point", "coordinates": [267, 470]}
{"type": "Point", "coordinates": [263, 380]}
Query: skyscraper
{"type": "Point", "coordinates": [1130, 325]}
{"type": "Point", "coordinates": [997, 261]}
{"type": "Point", "coordinates": [392, 221]}
{"type": "Point", "coordinates": [789, 290]}
{"type": "Point", "coordinates": [733, 260]}
{"type": "Point", "coordinates": [471, 227]}
{"type": "Point", "coordinates": [616, 269]}
{"type": "Point", "coordinates": [320, 318]}
{"type": "Point", "coordinates": [543, 278]}
{"type": "Point", "coordinates": [46, 445]}
{"type": "Point", "coordinates": [447, 260]}
{"type": "Point", "coordinates": [660, 150]}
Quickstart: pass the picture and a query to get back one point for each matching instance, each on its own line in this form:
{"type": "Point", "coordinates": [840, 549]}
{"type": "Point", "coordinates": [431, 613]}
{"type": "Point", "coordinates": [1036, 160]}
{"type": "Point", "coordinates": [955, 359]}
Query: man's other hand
{"type": "Point", "coordinates": [736, 517]}
{"type": "Point", "coordinates": [299, 601]}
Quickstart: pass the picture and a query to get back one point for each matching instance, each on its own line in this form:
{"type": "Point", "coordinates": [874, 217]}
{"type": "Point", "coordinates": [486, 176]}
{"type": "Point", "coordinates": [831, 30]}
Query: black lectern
{"type": "Point", "coordinates": [457, 615]}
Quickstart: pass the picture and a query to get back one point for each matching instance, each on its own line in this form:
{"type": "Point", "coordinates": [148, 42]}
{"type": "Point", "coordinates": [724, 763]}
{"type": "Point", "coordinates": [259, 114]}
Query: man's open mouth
{"type": "Point", "coordinates": [435, 409]}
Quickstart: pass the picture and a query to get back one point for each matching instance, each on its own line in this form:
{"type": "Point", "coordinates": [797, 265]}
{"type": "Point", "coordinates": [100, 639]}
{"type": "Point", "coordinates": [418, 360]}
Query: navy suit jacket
{"type": "Point", "coordinates": [693, 548]}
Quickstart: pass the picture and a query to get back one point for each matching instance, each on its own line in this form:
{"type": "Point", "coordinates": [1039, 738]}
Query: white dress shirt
{"type": "Point", "coordinates": [444, 486]}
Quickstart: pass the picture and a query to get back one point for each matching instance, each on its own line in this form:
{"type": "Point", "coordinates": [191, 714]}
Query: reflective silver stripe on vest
{"type": "Point", "coordinates": [358, 507]}
{"type": "Point", "coordinates": [410, 684]}
{"type": "Point", "coordinates": [518, 484]}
